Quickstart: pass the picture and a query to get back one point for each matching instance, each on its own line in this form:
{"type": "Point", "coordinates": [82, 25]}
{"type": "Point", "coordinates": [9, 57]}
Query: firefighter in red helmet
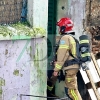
{"type": "Point", "coordinates": [65, 60]}
{"type": "Point", "coordinates": [66, 52]}
{"type": "Point", "coordinates": [65, 25]}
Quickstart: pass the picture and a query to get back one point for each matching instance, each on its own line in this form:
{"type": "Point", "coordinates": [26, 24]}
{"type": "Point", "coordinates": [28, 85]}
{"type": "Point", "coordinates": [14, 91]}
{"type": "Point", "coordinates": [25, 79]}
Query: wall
{"type": "Point", "coordinates": [37, 16]}
{"type": "Point", "coordinates": [38, 13]}
{"type": "Point", "coordinates": [10, 11]}
{"type": "Point", "coordinates": [74, 9]}
{"type": "Point", "coordinates": [22, 69]}
{"type": "Point", "coordinates": [93, 24]}
{"type": "Point", "coordinates": [92, 12]}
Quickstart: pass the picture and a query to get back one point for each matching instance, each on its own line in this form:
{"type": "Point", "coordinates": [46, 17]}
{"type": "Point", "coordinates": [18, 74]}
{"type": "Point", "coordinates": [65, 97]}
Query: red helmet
{"type": "Point", "coordinates": [65, 25]}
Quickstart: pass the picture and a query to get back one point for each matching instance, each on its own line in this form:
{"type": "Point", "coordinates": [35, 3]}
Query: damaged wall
{"type": "Point", "coordinates": [86, 17]}
{"type": "Point", "coordinates": [92, 12]}
{"type": "Point", "coordinates": [23, 63]}
{"type": "Point", "coordinates": [92, 24]}
{"type": "Point", "coordinates": [22, 69]}
{"type": "Point", "coordinates": [74, 9]}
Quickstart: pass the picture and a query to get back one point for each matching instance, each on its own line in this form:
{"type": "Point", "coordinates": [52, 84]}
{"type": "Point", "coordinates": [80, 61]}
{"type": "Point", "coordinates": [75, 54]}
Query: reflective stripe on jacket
{"type": "Point", "coordinates": [67, 44]}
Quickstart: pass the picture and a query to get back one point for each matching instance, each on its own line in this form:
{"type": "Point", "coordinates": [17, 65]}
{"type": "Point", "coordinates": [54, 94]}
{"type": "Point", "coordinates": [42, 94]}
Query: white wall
{"type": "Point", "coordinates": [38, 13]}
{"type": "Point", "coordinates": [22, 69]}
{"type": "Point", "coordinates": [38, 17]}
{"type": "Point", "coordinates": [74, 9]}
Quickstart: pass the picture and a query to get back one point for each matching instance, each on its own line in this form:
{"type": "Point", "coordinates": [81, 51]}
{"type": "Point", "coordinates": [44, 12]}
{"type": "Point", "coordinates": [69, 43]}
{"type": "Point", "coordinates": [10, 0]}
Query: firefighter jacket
{"type": "Point", "coordinates": [67, 45]}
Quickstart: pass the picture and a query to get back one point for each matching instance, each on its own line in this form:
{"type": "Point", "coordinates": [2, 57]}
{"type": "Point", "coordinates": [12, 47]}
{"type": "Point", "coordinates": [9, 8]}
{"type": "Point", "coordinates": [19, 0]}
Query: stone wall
{"type": "Point", "coordinates": [10, 11]}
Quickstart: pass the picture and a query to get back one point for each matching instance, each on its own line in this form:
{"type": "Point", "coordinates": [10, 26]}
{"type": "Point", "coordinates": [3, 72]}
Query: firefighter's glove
{"type": "Point", "coordinates": [55, 73]}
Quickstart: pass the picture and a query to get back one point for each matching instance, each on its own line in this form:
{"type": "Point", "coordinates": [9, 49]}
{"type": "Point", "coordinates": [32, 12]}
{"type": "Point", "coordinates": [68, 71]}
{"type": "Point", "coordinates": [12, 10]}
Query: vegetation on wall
{"type": "Point", "coordinates": [16, 72]}
{"type": "Point", "coordinates": [36, 58]}
{"type": "Point", "coordinates": [21, 29]}
{"type": "Point", "coordinates": [2, 82]}
{"type": "Point", "coordinates": [0, 91]}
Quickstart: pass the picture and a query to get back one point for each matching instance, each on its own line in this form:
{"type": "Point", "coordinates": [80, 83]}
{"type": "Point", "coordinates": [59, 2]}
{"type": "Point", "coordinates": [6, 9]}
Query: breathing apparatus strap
{"type": "Point", "coordinates": [70, 62]}
{"type": "Point", "coordinates": [74, 60]}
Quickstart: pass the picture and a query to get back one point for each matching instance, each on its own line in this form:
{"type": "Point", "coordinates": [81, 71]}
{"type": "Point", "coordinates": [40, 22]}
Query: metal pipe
{"type": "Point", "coordinates": [56, 98]}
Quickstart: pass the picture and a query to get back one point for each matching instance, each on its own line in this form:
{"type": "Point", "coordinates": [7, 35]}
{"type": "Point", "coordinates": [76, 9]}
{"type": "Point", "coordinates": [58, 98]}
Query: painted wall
{"type": "Point", "coordinates": [38, 13]}
{"type": "Point", "coordinates": [22, 69]}
{"type": "Point", "coordinates": [74, 9]}
{"type": "Point", "coordinates": [23, 63]}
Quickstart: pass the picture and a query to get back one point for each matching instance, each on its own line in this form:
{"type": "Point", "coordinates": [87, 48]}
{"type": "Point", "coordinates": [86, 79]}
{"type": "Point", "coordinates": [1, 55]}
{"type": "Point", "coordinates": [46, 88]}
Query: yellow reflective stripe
{"type": "Point", "coordinates": [74, 51]}
{"type": "Point", "coordinates": [84, 41]}
{"type": "Point", "coordinates": [64, 46]}
{"type": "Point", "coordinates": [72, 42]}
{"type": "Point", "coordinates": [49, 88]}
{"type": "Point", "coordinates": [74, 95]}
{"type": "Point", "coordinates": [74, 48]}
{"type": "Point", "coordinates": [58, 66]}
{"type": "Point", "coordinates": [86, 54]}
{"type": "Point", "coordinates": [68, 79]}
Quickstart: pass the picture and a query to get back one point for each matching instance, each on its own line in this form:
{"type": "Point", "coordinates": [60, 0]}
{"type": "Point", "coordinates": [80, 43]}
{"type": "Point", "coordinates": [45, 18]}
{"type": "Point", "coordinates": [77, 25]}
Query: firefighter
{"type": "Point", "coordinates": [67, 48]}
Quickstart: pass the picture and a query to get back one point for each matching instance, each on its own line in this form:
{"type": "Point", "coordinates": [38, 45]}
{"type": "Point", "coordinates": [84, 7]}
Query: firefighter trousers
{"type": "Point", "coordinates": [71, 84]}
